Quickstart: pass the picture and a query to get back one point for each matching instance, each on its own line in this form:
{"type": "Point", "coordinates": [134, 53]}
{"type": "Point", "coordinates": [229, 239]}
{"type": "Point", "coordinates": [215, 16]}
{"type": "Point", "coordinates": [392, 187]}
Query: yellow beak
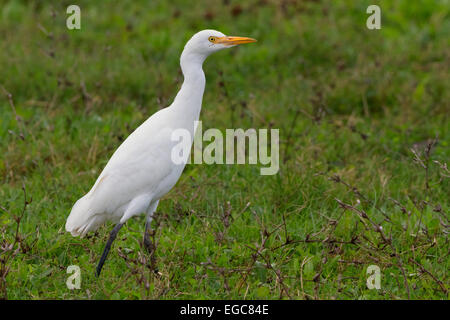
{"type": "Point", "coordinates": [234, 40]}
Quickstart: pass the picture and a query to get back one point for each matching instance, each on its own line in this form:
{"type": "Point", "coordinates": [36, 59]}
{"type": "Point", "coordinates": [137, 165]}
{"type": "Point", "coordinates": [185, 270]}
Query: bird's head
{"type": "Point", "coordinates": [205, 42]}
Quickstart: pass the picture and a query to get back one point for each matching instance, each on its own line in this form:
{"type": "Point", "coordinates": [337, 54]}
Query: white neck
{"type": "Point", "coordinates": [188, 101]}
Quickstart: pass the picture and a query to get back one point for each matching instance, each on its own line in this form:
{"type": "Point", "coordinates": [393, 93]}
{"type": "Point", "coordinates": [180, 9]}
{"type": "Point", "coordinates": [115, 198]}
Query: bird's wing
{"type": "Point", "coordinates": [137, 167]}
{"type": "Point", "coordinates": [141, 165]}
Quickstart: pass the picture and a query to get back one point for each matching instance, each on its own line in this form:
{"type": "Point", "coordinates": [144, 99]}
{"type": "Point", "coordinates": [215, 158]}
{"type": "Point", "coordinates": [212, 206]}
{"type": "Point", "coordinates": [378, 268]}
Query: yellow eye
{"type": "Point", "coordinates": [212, 39]}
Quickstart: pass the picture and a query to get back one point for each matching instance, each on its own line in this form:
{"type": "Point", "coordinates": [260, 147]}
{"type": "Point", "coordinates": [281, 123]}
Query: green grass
{"type": "Point", "coordinates": [349, 102]}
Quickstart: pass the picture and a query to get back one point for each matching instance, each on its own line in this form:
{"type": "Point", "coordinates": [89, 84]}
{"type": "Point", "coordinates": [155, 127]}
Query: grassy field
{"type": "Point", "coordinates": [364, 141]}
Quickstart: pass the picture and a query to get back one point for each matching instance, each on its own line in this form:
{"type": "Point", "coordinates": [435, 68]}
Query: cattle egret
{"type": "Point", "coordinates": [141, 170]}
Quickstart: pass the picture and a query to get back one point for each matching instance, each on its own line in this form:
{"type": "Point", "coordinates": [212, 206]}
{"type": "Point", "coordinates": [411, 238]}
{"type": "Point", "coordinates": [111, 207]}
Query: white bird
{"type": "Point", "coordinates": [141, 170]}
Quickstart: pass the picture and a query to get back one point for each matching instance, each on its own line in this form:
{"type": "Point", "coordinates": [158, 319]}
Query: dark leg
{"type": "Point", "coordinates": [148, 244]}
{"type": "Point", "coordinates": [112, 236]}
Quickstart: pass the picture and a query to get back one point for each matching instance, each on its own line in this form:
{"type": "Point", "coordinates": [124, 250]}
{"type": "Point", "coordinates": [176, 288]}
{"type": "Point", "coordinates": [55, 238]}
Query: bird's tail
{"type": "Point", "coordinates": [81, 220]}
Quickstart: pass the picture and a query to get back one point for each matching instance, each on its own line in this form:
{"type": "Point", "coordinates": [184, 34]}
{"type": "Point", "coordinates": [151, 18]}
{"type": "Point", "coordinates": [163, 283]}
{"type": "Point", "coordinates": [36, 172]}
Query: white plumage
{"type": "Point", "coordinates": [141, 171]}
